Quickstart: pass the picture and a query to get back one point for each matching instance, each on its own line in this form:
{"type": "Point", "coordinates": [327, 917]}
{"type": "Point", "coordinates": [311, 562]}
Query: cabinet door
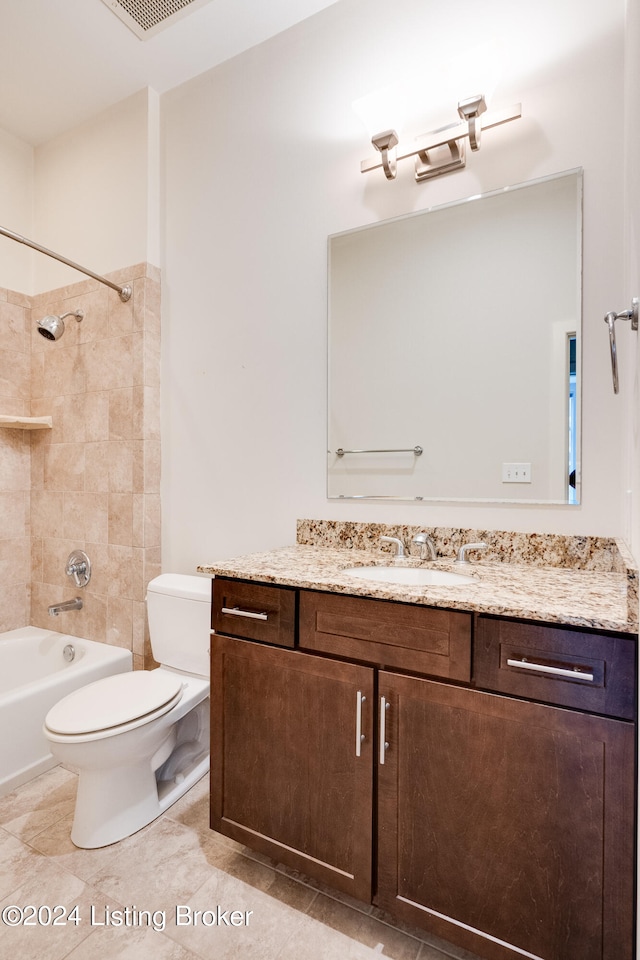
{"type": "Point", "coordinates": [505, 826]}
{"type": "Point", "coordinates": [292, 759]}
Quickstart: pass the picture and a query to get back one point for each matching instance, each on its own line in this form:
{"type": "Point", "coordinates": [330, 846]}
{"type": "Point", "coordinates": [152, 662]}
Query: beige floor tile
{"type": "Point", "coordinates": [55, 843]}
{"type": "Point", "coordinates": [138, 943]}
{"type": "Point", "coordinates": [254, 923]}
{"type": "Point", "coordinates": [313, 940]}
{"type": "Point", "coordinates": [62, 920]}
{"type": "Point", "coordinates": [18, 863]}
{"type": "Point", "coordinates": [159, 866]}
{"type": "Point", "coordinates": [364, 929]}
{"type": "Point", "coordinates": [35, 805]}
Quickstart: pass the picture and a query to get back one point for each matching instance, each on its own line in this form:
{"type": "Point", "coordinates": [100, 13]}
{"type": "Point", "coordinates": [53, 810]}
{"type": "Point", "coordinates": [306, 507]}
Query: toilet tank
{"type": "Point", "coordinates": [179, 613]}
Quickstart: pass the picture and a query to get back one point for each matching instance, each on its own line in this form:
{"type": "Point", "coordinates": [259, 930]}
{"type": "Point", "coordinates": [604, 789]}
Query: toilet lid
{"type": "Point", "coordinates": [113, 701]}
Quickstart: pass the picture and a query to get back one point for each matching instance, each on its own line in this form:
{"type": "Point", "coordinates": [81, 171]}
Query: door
{"type": "Point", "coordinates": [506, 826]}
{"type": "Point", "coordinates": [292, 759]}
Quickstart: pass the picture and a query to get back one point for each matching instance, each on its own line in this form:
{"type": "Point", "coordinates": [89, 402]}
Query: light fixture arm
{"type": "Point", "coordinates": [385, 143]}
{"type": "Point", "coordinates": [453, 136]}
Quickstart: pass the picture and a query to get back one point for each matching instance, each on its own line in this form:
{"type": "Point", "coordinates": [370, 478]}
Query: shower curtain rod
{"type": "Point", "coordinates": [125, 292]}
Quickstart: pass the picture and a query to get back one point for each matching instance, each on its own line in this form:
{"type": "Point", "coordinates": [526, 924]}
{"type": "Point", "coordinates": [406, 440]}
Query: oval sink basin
{"type": "Point", "coordinates": [412, 576]}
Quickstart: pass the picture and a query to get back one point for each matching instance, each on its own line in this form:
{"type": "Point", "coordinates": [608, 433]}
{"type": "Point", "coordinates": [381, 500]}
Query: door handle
{"type": "Point", "coordinates": [360, 699]}
{"type": "Point", "coordinates": [575, 673]}
{"type": "Point", "coordinates": [384, 745]}
{"type": "Point", "coordinates": [237, 612]}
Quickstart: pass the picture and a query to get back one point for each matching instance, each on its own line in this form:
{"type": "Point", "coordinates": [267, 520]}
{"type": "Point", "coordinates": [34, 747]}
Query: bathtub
{"type": "Point", "coordinates": [34, 674]}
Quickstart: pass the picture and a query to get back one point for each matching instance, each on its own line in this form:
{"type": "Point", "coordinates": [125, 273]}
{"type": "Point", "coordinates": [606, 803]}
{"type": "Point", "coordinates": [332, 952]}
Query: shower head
{"type": "Point", "coordinates": [53, 327]}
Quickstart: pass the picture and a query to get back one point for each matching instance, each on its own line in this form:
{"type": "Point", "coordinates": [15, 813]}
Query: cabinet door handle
{"type": "Point", "coordinates": [249, 614]}
{"type": "Point", "coordinates": [574, 672]}
{"type": "Point", "coordinates": [360, 699]}
{"type": "Point", "coordinates": [384, 746]}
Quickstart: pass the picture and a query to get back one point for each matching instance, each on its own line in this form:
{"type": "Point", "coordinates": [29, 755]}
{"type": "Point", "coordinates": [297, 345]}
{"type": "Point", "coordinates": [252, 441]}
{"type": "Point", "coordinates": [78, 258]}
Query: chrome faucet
{"type": "Point", "coordinates": [462, 552]}
{"type": "Point", "coordinates": [399, 544]}
{"type": "Point", "coordinates": [427, 546]}
{"type": "Point", "coordinates": [56, 608]}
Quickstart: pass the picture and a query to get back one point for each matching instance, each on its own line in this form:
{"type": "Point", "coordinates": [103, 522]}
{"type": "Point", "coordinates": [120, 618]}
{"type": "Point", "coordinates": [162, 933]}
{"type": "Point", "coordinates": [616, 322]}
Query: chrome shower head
{"type": "Point", "coordinates": [52, 327]}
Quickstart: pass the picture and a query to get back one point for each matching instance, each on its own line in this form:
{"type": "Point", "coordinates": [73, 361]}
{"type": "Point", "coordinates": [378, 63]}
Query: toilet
{"type": "Point", "coordinates": [140, 740]}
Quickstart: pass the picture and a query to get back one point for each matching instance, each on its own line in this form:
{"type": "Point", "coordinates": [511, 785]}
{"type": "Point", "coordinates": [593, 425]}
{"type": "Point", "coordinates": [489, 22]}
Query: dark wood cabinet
{"type": "Point", "coordinates": [291, 768]}
{"type": "Point", "coordinates": [472, 775]}
{"type": "Point", "coordinates": [506, 826]}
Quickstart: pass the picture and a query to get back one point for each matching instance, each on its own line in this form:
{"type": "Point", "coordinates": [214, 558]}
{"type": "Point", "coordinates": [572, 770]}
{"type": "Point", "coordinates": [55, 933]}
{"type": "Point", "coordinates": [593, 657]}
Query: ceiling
{"type": "Point", "coordinates": [64, 61]}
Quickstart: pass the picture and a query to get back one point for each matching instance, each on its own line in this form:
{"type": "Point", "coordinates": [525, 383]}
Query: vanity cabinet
{"type": "Point", "coordinates": [290, 775]}
{"type": "Point", "coordinates": [397, 754]}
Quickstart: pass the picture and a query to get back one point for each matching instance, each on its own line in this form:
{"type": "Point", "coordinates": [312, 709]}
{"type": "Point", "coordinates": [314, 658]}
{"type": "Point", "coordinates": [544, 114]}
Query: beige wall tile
{"type": "Point", "coordinates": [13, 327]}
{"type": "Point", "coordinates": [92, 482]}
{"type": "Point", "coordinates": [14, 609]}
{"type": "Point", "coordinates": [97, 517]}
{"type": "Point", "coordinates": [120, 622]}
{"type": "Point", "coordinates": [47, 513]}
{"type": "Point", "coordinates": [64, 465]}
{"type": "Point", "coordinates": [96, 415]}
{"type": "Point", "coordinates": [121, 414]}
{"type": "Point", "coordinates": [121, 519]}
{"type": "Point", "coordinates": [14, 520]}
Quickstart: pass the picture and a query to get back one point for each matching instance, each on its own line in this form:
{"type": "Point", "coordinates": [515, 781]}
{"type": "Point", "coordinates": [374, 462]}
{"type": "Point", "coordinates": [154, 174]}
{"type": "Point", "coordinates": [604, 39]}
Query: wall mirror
{"type": "Point", "coordinates": [454, 350]}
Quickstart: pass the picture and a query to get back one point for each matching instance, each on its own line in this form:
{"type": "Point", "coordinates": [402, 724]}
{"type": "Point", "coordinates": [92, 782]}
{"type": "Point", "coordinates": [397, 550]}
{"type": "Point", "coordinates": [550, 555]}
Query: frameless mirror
{"type": "Point", "coordinates": [454, 350]}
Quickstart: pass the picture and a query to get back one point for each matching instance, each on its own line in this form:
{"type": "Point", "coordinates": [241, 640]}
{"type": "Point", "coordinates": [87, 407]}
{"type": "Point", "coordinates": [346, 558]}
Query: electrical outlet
{"type": "Point", "coordinates": [516, 473]}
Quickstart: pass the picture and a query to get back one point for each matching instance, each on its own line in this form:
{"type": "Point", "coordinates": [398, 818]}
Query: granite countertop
{"type": "Point", "coordinates": [598, 599]}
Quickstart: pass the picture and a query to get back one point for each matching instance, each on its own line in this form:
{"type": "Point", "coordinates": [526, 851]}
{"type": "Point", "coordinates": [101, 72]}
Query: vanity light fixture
{"type": "Point", "coordinates": [443, 150]}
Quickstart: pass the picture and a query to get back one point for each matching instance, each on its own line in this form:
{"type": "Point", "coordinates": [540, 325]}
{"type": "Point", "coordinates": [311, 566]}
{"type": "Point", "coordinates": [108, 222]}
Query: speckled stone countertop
{"type": "Point", "coordinates": [602, 596]}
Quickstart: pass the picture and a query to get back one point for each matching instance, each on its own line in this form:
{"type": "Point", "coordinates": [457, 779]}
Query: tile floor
{"type": "Point", "coordinates": [175, 862]}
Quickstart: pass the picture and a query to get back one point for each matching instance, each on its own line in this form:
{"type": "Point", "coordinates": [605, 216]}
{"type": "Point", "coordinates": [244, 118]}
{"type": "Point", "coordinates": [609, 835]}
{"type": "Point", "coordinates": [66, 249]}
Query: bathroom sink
{"type": "Point", "coordinates": [412, 576]}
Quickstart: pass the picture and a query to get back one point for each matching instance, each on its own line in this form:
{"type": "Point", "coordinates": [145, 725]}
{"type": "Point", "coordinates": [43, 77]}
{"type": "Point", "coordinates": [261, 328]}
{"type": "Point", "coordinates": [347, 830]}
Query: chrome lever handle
{"type": "Point", "coordinates": [384, 745]}
{"type": "Point", "coordinates": [360, 699]}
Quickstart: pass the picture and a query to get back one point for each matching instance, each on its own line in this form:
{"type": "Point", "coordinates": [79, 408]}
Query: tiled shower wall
{"type": "Point", "coordinates": [15, 472]}
{"type": "Point", "coordinates": [95, 477]}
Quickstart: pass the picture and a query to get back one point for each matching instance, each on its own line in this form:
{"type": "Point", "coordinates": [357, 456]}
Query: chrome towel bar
{"type": "Point", "coordinates": [415, 450]}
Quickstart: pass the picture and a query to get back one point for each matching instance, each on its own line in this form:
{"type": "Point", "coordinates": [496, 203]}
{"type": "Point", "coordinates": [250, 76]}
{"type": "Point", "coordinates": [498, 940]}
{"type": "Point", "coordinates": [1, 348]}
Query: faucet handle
{"type": "Point", "coordinates": [464, 549]}
{"type": "Point", "coordinates": [79, 567]}
{"type": "Point", "coordinates": [399, 544]}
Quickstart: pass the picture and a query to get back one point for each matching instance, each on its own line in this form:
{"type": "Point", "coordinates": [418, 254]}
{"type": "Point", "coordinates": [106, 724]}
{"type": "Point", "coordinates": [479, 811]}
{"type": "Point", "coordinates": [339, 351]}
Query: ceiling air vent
{"type": "Point", "coordinates": [148, 17]}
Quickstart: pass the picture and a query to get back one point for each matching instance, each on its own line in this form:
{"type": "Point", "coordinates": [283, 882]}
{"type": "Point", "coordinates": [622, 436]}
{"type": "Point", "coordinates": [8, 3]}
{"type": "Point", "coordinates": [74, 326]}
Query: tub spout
{"type": "Point", "coordinates": [56, 608]}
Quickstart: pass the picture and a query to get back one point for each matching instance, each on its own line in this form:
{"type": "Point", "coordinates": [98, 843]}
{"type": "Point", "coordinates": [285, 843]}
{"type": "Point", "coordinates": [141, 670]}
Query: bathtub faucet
{"type": "Point", "coordinates": [56, 608]}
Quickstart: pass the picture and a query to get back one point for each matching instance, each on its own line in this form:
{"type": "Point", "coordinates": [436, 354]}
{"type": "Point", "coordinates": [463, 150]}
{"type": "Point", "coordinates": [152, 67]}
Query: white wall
{"type": "Point", "coordinates": [630, 342]}
{"type": "Point", "coordinates": [261, 160]}
{"type": "Point", "coordinates": [96, 193]}
{"type": "Point", "coordinates": [16, 211]}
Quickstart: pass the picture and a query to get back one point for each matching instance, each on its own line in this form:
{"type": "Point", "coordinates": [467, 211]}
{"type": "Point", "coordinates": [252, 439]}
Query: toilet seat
{"type": "Point", "coordinates": [125, 700]}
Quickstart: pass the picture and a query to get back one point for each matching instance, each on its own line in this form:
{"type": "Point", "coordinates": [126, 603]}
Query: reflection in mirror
{"type": "Point", "coordinates": [454, 350]}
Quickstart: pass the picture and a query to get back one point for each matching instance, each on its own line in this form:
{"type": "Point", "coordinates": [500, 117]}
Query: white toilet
{"type": "Point", "coordinates": [140, 740]}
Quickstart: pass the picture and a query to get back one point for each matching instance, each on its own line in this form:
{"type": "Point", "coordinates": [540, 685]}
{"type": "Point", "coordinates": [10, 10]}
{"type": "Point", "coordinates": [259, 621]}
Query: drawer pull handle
{"type": "Point", "coordinates": [237, 612]}
{"type": "Point", "coordinates": [384, 745]}
{"type": "Point", "coordinates": [574, 672]}
{"type": "Point", "coordinates": [360, 699]}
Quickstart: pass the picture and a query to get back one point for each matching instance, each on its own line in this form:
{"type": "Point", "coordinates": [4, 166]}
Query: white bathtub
{"type": "Point", "coordinates": [34, 675]}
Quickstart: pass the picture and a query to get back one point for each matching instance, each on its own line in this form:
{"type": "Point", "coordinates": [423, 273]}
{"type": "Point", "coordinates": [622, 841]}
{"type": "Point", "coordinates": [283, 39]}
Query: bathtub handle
{"type": "Point", "coordinates": [79, 567]}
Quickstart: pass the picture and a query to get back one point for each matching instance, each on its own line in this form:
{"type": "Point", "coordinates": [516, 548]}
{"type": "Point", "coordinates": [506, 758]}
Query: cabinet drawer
{"type": "Point", "coordinates": [254, 611]}
{"type": "Point", "coordinates": [587, 671]}
{"type": "Point", "coordinates": [399, 635]}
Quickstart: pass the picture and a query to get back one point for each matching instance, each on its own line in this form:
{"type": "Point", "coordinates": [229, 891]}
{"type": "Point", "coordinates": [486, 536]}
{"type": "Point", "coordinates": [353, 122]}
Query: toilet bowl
{"type": "Point", "coordinates": [140, 740]}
